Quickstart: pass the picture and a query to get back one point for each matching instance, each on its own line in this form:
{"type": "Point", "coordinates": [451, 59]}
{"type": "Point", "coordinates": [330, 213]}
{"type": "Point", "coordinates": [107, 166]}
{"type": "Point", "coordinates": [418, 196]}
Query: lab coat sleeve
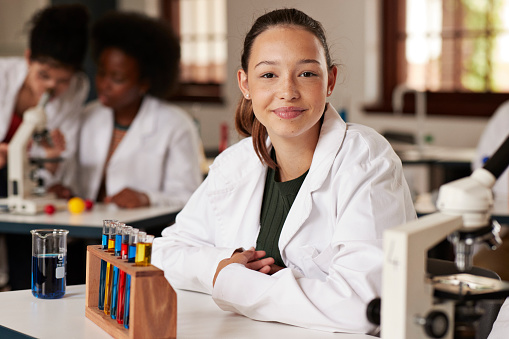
{"type": "Point", "coordinates": [501, 326]}
{"type": "Point", "coordinates": [186, 251]}
{"type": "Point", "coordinates": [493, 136]}
{"type": "Point", "coordinates": [182, 174]}
{"type": "Point", "coordinates": [371, 198]}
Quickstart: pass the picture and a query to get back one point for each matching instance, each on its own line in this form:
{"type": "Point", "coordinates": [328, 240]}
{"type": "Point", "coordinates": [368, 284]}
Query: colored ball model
{"type": "Point", "coordinates": [89, 204]}
{"type": "Point", "coordinates": [76, 205]}
{"type": "Point", "coordinates": [49, 209]}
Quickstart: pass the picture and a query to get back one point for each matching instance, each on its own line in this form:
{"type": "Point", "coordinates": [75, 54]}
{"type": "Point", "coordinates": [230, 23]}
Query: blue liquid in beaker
{"type": "Point", "coordinates": [48, 276]}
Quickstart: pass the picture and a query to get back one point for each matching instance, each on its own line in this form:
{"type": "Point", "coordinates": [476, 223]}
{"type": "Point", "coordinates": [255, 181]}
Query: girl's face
{"type": "Point", "coordinates": [288, 81]}
{"type": "Point", "coordinates": [118, 80]}
{"type": "Point", "coordinates": [42, 77]}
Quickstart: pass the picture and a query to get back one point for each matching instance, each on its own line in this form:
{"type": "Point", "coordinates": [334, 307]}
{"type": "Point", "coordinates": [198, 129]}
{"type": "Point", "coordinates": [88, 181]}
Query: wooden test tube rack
{"type": "Point", "coordinates": [153, 304]}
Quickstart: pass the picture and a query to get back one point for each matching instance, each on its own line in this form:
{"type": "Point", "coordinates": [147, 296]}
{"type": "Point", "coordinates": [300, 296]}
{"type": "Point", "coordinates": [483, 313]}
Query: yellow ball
{"type": "Point", "coordinates": [76, 205]}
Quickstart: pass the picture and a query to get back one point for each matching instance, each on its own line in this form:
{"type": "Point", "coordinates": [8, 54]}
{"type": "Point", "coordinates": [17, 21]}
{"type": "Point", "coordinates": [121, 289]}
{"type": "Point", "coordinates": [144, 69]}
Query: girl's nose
{"type": "Point", "coordinates": [288, 89]}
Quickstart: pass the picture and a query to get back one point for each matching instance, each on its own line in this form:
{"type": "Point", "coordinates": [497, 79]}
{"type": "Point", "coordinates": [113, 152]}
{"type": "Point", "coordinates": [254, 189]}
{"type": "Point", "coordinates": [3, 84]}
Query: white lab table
{"type": "Point", "coordinates": [84, 228]}
{"type": "Point", "coordinates": [89, 223]}
{"type": "Point", "coordinates": [198, 317]}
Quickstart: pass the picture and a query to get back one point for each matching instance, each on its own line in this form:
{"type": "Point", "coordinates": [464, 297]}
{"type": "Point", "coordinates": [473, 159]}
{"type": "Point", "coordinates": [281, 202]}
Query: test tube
{"type": "Point", "coordinates": [118, 239]}
{"type": "Point", "coordinates": [125, 242]}
{"type": "Point", "coordinates": [133, 239]}
{"type": "Point", "coordinates": [116, 271]}
{"type": "Point", "coordinates": [144, 250]}
{"type": "Point", "coordinates": [102, 279]}
{"type": "Point", "coordinates": [109, 269]}
{"type": "Point", "coordinates": [121, 277]}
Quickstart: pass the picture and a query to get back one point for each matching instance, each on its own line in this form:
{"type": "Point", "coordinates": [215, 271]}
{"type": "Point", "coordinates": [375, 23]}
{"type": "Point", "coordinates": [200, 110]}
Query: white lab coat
{"type": "Point", "coordinates": [157, 156]}
{"type": "Point", "coordinates": [62, 112]}
{"type": "Point", "coordinates": [500, 328]}
{"type": "Point", "coordinates": [331, 241]}
{"type": "Point", "coordinates": [494, 135]}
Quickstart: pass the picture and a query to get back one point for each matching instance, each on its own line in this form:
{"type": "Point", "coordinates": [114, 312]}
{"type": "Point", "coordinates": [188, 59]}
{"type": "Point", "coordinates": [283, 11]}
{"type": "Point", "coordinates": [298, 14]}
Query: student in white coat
{"type": "Point", "coordinates": [53, 61]}
{"type": "Point", "coordinates": [135, 148]}
{"type": "Point", "coordinates": [493, 136]}
{"type": "Point", "coordinates": [57, 45]}
{"type": "Point", "coordinates": [307, 195]}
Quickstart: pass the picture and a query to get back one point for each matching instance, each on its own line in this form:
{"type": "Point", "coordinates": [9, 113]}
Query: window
{"type": "Point", "coordinates": [201, 26]}
{"type": "Point", "coordinates": [455, 50]}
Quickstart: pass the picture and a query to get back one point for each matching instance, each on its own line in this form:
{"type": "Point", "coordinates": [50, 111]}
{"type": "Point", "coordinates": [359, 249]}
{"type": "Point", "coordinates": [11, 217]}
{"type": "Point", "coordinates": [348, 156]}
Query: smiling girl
{"type": "Point", "coordinates": [306, 194]}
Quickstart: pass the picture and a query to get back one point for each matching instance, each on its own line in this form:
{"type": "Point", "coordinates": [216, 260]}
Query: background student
{"type": "Point", "coordinates": [493, 136]}
{"type": "Point", "coordinates": [58, 41]}
{"type": "Point", "coordinates": [135, 148]}
{"type": "Point", "coordinates": [307, 195]}
{"type": "Point", "coordinates": [53, 62]}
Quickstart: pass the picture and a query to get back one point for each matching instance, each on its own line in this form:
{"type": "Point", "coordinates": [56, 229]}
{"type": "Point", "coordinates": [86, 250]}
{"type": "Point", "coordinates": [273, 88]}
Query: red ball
{"type": "Point", "coordinates": [49, 209]}
{"type": "Point", "coordinates": [89, 204]}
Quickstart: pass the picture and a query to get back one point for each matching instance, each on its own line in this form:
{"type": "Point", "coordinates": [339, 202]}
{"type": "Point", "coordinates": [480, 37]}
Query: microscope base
{"type": "Point", "coordinates": [33, 205]}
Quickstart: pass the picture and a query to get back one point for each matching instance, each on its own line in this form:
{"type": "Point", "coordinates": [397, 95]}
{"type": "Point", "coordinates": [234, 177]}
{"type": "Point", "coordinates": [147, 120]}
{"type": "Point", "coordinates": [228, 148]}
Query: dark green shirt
{"type": "Point", "coordinates": [278, 197]}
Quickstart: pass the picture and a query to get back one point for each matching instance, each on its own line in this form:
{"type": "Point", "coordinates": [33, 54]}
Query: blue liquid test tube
{"type": "Point", "coordinates": [122, 279]}
{"type": "Point", "coordinates": [102, 280]}
{"type": "Point", "coordinates": [131, 254]}
{"type": "Point", "coordinates": [109, 269]}
{"type": "Point", "coordinates": [116, 272]}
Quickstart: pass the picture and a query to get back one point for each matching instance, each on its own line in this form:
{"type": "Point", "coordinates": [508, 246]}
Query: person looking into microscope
{"type": "Point", "coordinates": [52, 62]}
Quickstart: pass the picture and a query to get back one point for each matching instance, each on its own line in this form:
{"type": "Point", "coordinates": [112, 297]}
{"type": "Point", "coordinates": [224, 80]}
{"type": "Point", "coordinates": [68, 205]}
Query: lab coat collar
{"type": "Point", "coordinates": [141, 127]}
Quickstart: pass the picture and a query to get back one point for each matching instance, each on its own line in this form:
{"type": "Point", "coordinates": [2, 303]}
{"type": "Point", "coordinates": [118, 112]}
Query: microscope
{"type": "Point", "coordinates": [417, 305]}
{"type": "Point", "coordinates": [26, 193]}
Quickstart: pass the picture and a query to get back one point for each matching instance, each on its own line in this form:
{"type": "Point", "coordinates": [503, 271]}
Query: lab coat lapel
{"type": "Point", "coordinates": [240, 186]}
{"type": "Point", "coordinates": [141, 127]}
{"type": "Point", "coordinates": [95, 144]}
{"type": "Point", "coordinates": [331, 138]}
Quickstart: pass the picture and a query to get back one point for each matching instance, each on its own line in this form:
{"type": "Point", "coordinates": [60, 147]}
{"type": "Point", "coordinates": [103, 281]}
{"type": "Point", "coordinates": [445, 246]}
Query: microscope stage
{"type": "Point", "coordinates": [466, 286]}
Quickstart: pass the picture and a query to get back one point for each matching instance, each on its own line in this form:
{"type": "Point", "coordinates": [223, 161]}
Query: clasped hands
{"type": "Point", "coordinates": [251, 259]}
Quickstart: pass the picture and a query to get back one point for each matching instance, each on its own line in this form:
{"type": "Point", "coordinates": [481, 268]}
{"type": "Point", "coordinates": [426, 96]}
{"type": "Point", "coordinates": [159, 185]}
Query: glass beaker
{"type": "Point", "coordinates": [49, 263]}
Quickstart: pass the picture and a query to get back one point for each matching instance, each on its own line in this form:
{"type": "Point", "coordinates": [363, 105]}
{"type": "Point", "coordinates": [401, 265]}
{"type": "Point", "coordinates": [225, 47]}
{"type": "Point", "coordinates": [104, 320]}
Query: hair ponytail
{"type": "Point", "coordinates": [248, 125]}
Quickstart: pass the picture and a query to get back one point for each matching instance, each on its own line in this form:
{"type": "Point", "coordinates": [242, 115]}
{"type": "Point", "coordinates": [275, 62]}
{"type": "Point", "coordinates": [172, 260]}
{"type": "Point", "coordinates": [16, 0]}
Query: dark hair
{"type": "Point", "coordinates": [59, 34]}
{"type": "Point", "coordinates": [151, 42]}
{"type": "Point", "coordinates": [246, 122]}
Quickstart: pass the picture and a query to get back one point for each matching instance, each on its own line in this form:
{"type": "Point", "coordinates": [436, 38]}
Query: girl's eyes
{"type": "Point", "coordinates": [303, 74]}
{"type": "Point", "coordinates": [114, 78]}
{"type": "Point", "coordinates": [268, 75]}
{"type": "Point", "coordinates": [307, 74]}
{"type": "Point", "coordinates": [118, 80]}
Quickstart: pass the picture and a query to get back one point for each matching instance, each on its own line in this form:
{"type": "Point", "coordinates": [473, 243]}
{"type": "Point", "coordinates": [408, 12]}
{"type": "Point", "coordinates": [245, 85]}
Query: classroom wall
{"type": "Point", "coordinates": [353, 31]}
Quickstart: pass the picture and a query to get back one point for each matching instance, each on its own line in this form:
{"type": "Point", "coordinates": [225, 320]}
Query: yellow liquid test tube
{"type": "Point", "coordinates": [144, 250]}
{"type": "Point", "coordinates": [107, 288]}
